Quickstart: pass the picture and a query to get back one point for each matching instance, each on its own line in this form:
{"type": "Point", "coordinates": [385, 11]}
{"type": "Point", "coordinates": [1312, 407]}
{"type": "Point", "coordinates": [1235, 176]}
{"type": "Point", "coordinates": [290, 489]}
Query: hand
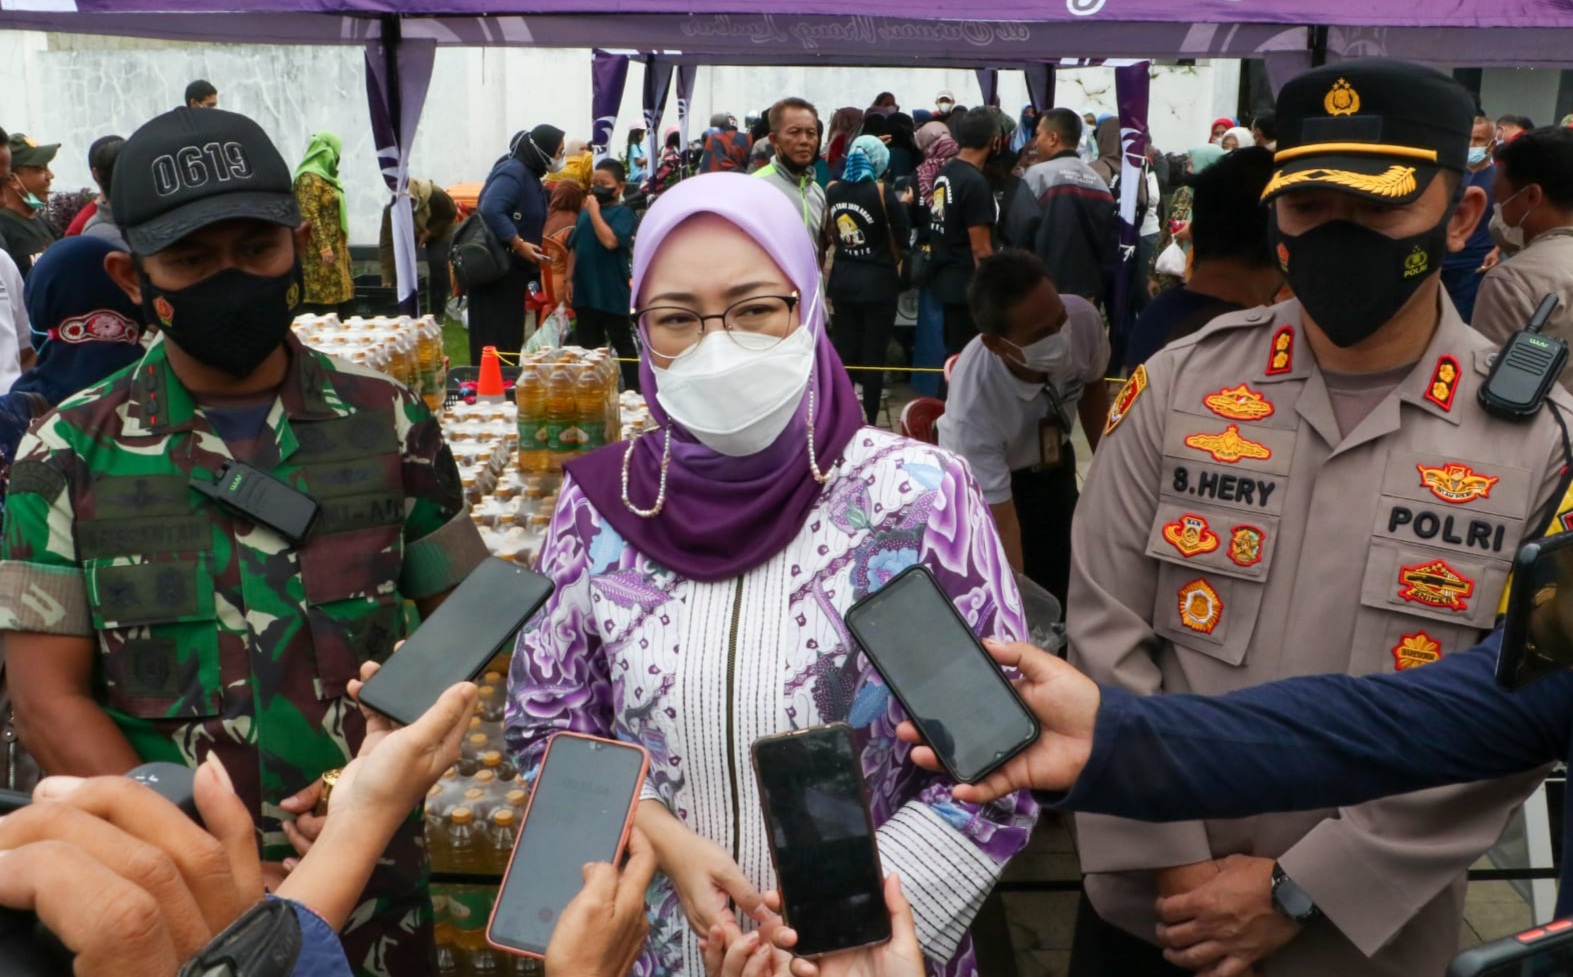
{"type": "Point", "coordinates": [1066, 704]}
{"type": "Point", "coordinates": [1491, 261]}
{"type": "Point", "coordinates": [708, 882]}
{"type": "Point", "coordinates": [901, 956]}
{"type": "Point", "coordinates": [906, 196]}
{"type": "Point", "coordinates": [1228, 924]}
{"type": "Point", "coordinates": [1179, 879]}
{"type": "Point", "coordinates": [158, 886]}
{"type": "Point", "coordinates": [328, 257]}
{"type": "Point", "coordinates": [527, 251]}
{"type": "Point", "coordinates": [602, 931]}
{"type": "Point", "coordinates": [1183, 232]}
{"type": "Point", "coordinates": [592, 203]}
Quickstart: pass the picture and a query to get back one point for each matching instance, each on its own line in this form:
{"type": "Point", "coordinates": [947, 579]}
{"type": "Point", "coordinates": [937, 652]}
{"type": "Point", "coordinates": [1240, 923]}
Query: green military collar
{"type": "Point", "coordinates": [161, 404]}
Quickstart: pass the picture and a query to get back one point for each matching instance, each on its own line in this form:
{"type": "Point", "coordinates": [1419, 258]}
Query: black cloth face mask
{"type": "Point", "coordinates": [1351, 279]}
{"type": "Point", "coordinates": [604, 194]}
{"type": "Point", "coordinates": [230, 321]}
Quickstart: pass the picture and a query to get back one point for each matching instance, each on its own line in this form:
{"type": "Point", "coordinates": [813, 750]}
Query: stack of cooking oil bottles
{"type": "Point", "coordinates": [408, 350]}
{"type": "Point", "coordinates": [473, 814]}
{"type": "Point", "coordinates": [567, 405]}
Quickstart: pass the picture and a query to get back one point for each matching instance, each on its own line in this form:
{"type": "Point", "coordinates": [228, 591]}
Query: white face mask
{"type": "Point", "coordinates": [737, 401]}
{"type": "Point", "coordinates": [1047, 355]}
{"type": "Point", "coordinates": [556, 165]}
{"type": "Point", "coordinates": [1504, 235]}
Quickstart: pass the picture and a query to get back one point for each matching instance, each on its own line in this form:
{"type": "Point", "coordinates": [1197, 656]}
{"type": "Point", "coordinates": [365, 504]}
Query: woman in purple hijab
{"type": "Point", "coordinates": [702, 572]}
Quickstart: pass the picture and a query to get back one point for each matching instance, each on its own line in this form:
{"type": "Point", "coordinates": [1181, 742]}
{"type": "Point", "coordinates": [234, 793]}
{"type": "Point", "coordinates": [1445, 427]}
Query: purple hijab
{"type": "Point", "coordinates": [724, 516]}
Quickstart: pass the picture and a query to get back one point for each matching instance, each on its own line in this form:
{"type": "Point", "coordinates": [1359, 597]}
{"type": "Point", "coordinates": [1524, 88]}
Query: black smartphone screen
{"type": "Point", "coordinates": [822, 837]}
{"type": "Point", "coordinates": [457, 641]}
{"type": "Point", "coordinates": [954, 692]}
{"type": "Point", "coordinates": [578, 813]}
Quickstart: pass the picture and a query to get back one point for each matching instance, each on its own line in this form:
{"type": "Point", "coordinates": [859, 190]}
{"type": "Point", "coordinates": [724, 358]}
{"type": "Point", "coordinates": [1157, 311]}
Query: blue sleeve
{"type": "Point", "coordinates": [321, 951]}
{"type": "Point", "coordinates": [1317, 742]}
{"type": "Point", "coordinates": [498, 203]}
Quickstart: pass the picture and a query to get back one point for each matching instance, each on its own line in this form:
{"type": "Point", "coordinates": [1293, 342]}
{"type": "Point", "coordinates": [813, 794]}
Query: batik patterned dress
{"type": "Point", "coordinates": [319, 206]}
{"type": "Point", "coordinates": [697, 671]}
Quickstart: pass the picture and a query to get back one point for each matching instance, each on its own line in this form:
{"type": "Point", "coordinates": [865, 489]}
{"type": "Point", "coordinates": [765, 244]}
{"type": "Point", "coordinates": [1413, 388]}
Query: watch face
{"type": "Point", "coordinates": [1292, 900]}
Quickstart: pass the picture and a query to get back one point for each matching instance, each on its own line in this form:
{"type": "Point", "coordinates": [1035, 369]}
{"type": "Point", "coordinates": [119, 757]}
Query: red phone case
{"type": "Point", "coordinates": [622, 842]}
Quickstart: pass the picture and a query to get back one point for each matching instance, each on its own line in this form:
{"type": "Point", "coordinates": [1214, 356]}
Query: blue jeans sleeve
{"type": "Point", "coordinates": [1316, 742]}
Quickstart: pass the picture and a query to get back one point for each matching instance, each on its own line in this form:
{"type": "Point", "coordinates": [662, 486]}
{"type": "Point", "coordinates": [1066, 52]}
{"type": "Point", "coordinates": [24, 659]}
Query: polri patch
{"type": "Point", "coordinates": [1414, 650]}
{"type": "Point", "coordinates": [1189, 534]}
{"type": "Point", "coordinates": [1200, 606]}
{"type": "Point", "coordinates": [1239, 404]}
{"type": "Point", "coordinates": [1456, 484]}
{"type": "Point", "coordinates": [1444, 382]}
{"type": "Point", "coordinates": [1229, 446]}
{"type": "Point", "coordinates": [1280, 356]}
{"type": "Point", "coordinates": [1125, 399]}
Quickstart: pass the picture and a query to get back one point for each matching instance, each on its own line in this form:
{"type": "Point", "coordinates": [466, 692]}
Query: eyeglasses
{"type": "Point", "coordinates": [756, 323]}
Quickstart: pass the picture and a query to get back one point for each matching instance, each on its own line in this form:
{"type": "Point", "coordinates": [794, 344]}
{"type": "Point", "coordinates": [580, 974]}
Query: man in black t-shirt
{"type": "Point", "coordinates": [962, 218]}
{"type": "Point", "coordinates": [25, 178]}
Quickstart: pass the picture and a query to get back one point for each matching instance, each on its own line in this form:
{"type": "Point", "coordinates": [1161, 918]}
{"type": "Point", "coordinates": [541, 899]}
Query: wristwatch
{"type": "Point", "coordinates": [1291, 901]}
{"type": "Point", "coordinates": [265, 941]}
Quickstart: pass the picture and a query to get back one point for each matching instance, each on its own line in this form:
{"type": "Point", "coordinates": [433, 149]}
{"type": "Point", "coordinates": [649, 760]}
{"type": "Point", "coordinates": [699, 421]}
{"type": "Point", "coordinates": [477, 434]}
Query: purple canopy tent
{"type": "Point", "coordinates": [400, 37]}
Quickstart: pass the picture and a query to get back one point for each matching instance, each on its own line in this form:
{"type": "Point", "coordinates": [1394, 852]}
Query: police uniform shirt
{"type": "Point", "coordinates": [1230, 534]}
{"type": "Point", "coordinates": [993, 419]}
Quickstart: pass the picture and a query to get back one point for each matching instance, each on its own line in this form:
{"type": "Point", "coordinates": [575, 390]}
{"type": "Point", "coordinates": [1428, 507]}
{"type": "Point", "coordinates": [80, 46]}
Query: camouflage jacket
{"type": "Point", "coordinates": [213, 633]}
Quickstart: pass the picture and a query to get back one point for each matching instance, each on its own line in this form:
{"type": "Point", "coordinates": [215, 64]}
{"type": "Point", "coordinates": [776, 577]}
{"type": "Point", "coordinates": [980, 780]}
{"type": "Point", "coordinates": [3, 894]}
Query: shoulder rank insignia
{"type": "Point", "coordinates": [1189, 534]}
{"type": "Point", "coordinates": [1280, 358]}
{"type": "Point", "coordinates": [1444, 382]}
{"type": "Point", "coordinates": [1414, 650]}
{"type": "Point", "coordinates": [1125, 399]}
{"type": "Point", "coordinates": [1435, 584]}
{"type": "Point", "coordinates": [1239, 404]}
{"type": "Point", "coordinates": [1245, 545]}
{"type": "Point", "coordinates": [1456, 484]}
{"type": "Point", "coordinates": [1200, 606]}
{"type": "Point", "coordinates": [1229, 446]}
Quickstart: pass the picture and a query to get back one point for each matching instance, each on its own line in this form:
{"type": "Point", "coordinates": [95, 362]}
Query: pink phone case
{"type": "Point", "coordinates": [622, 842]}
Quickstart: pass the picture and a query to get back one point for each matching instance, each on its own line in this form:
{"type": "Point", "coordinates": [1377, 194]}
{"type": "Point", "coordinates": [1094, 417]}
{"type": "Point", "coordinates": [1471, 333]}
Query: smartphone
{"type": "Point", "coordinates": [1543, 951]}
{"type": "Point", "coordinates": [822, 839]}
{"type": "Point", "coordinates": [477, 620]}
{"type": "Point", "coordinates": [1537, 632]}
{"type": "Point", "coordinates": [580, 811]}
{"type": "Point", "coordinates": [954, 692]}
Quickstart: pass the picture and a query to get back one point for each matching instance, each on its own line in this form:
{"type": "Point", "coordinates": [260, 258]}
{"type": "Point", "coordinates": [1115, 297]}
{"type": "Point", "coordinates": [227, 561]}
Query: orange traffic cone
{"type": "Point", "coordinates": [488, 388]}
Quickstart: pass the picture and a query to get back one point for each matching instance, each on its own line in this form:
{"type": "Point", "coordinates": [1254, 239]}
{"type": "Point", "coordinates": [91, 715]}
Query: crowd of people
{"type": "Point", "coordinates": [1297, 481]}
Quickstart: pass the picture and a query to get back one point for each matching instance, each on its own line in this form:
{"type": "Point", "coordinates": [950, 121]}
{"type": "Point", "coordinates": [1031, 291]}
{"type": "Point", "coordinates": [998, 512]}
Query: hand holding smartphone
{"type": "Point", "coordinates": [949, 685]}
{"type": "Point", "coordinates": [822, 839]}
{"type": "Point", "coordinates": [477, 620]}
{"type": "Point", "coordinates": [581, 811]}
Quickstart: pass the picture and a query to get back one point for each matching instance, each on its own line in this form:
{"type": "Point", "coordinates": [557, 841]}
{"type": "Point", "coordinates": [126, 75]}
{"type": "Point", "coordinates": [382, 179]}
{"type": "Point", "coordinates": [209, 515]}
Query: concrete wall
{"type": "Point", "coordinates": [1521, 91]}
{"type": "Point", "coordinates": [71, 89]}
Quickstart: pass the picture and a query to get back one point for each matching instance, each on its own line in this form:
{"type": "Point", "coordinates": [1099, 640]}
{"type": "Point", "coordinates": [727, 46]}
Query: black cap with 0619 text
{"type": "Point", "coordinates": [189, 168]}
{"type": "Point", "coordinates": [1374, 128]}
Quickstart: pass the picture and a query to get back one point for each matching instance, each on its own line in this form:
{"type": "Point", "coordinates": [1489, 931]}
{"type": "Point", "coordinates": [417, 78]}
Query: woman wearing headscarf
{"type": "Point", "coordinates": [1221, 125]}
{"type": "Point", "coordinates": [1026, 128]}
{"type": "Point", "coordinates": [1087, 148]}
{"type": "Point", "coordinates": [938, 148]}
{"type": "Point", "coordinates": [320, 195]}
{"type": "Point", "coordinates": [702, 571]}
{"type": "Point", "coordinates": [904, 154]}
{"type": "Point", "coordinates": [867, 228]}
{"type": "Point", "coordinates": [435, 215]}
{"type": "Point", "coordinates": [513, 203]}
{"type": "Point", "coordinates": [1238, 137]}
{"type": "Point", "coordinates": [84, 330]}
{"type": "Point", "coordinates": [844, 126]}
{"type": "Point", "coordinates": [1110, 154]}
{"type": "Point", "coordinates": [1177, 228]}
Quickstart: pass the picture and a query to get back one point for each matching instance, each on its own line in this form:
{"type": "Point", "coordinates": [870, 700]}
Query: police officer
{"type": "Point", "coordinates": [1307, 488]}
{"type": "Point", "coordinates": [148, 622]}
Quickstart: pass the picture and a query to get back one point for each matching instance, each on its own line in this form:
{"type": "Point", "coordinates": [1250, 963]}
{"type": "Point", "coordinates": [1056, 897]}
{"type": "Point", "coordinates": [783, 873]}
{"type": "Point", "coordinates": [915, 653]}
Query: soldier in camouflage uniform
{"type": "Point", "coordinates": [147, 623]}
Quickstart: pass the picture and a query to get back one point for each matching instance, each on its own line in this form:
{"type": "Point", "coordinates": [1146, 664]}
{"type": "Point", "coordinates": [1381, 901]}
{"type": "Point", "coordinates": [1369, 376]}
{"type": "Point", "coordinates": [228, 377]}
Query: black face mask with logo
{"type": "Point", "coordinates": [230, 321]}
{"type": "Point", "coordinates": [1353, 280]}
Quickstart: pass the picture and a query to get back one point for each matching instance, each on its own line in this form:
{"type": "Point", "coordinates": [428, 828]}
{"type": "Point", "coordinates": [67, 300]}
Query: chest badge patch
{"type": "Point", "coordinates": [1189, 534]}
{"type": "Point", "coordinates": [1280, 358]}
{"type": "Point", "coordinates": [1239, 404]}
{"type": "Point", "coordinates": [1245, 545]}
{"type": "Point", "coordinates": [1435, 584]}
{"type": "Point", "coordinates": [1456, 484]}
{"type": "Point", "coordinates": [1414, 650]}
{"type": "Point", "coordinates": [1229, 446]}
{"type": "Point", "coordinates": [1444, 382]}
{"type": "Point", "coordinates": [1200, 606]}
{"type": "Point", "coordinates": [1125, 399]}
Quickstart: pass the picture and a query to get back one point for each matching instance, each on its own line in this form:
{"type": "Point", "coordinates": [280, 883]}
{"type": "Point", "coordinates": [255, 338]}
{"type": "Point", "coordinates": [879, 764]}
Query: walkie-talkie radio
{"type": "Point", "coordinates": [1525, 368]}
{"type": "Point", "coordinates": [250, 492]}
